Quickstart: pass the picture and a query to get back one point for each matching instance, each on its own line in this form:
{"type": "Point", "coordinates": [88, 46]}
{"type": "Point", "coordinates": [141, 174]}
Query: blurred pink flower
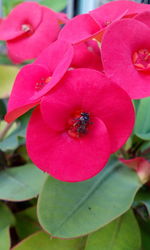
{"type": "Point", "coordinates": [28, 29]}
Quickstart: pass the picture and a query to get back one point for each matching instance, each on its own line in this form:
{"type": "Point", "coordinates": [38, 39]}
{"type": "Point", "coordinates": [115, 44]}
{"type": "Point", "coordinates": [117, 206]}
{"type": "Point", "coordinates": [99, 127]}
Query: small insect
{"type": "Point", "coordinates": [82, 123]}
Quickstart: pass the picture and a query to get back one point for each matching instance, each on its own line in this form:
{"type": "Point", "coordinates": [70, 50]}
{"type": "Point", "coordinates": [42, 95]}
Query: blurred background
{"type": "Point", "coordinates": [71, 7]}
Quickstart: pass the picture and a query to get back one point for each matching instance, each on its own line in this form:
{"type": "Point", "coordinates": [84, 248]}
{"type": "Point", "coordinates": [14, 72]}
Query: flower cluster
{"type": "Point", "coordinates": [81, 84]}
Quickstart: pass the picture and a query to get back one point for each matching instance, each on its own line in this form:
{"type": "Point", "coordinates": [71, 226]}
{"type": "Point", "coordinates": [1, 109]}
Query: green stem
{"type": "Point", "coordinates": [5, 131]}
{"type": "Point", "coordinates": [124, 153]}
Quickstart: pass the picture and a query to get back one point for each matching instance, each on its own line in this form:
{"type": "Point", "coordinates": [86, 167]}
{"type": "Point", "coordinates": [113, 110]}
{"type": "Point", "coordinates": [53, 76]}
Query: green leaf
{"type": "Point", "coordinates": [5, 239]}
{"type": "Point", "coordinates": [5, 60]}
{"type": "Point", "coordinates": [8, 5]}
{"type": "Point", "coordinates": [121, 234]}
{"type": "Point", "coordinates": [68, 210]}
{"type": "Point", "coordinates": [55, 5]}
{"type": "Point", "coordinates": [145, 233]}
{"type": "Point", "coordinates": [145, 146]}
{"type": "Point", "coordinates": [143, 198]}
{"type": "Point", "coordinates": [6, 217]}
{"type": "Point", "coordinates": [43, 240]}
{"type": "Point", "coordinates": [20, 183]}
{"type": "Point", "coordinates": [142, 126]}
{"type": "Point", "coordinates": [7, 76]}
{"type": "Point", "coordinates": [17, 137]}
{"type": "Point", "coordinates": [136, 104]}
{"type": "Point", "coordinates": [27, 222]}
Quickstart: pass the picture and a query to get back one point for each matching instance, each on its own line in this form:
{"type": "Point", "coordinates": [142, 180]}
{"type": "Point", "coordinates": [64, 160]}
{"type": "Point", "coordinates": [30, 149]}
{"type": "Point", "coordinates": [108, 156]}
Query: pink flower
{"type": "Point", "coordinates": [78, 125]}
{"type": "Point", "coordinates": [28, 29]}
{"type": "Point", "coordinates": [36, 80]}
{"type": "Point", "coordinates": [126, 56]}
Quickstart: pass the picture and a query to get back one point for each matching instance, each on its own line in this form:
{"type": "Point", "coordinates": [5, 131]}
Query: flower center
{"type": "Point", "coordinates": [27, 28]}
{"type": "Point", "coordinates": [41, 83]}
{"type": "Point", "coordinates": [141, 60]}
{"type": "Point", "coordinates": [78, 124]}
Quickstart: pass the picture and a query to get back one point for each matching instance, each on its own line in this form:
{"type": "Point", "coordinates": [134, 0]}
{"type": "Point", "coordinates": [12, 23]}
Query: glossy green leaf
{"type": "Point", "coordinates": [7, 76]}
{"type": "Point", "coordinates": [58, 5]}
{"type": "Point", "coordinates": [6, 220]}
{"type": "Point", "coordinates": [143, 198]}
{"type": "Point", "coordinates": [69, 210]}
{"type": "Point", "coordinates": [121, 234]}
{"type": "Point", "coordinates": [20, 183]}
{"type": "Point", "coordinates": [142, 126]}
{"type": "Point", "coordinates": [145, 146]}
{"type": "Point", "coordinates": [5, 239]}
{"type": "Point", "coordinates": [6, 217]}
{"type": "Point", "coordinates": [27, 222]}
{"type": "Point", "coordinates": [43, 241]}
{"type": "Point", "coordinates": [8, 5]}
{"type": "Point", "coordinates": [4, 59]}
{"type": "Point", "coordinates": [17, 137]}
{"type": "Point", "coordinates": [136, 104]}
{"type": "Point", "coordinates": [145, 233]}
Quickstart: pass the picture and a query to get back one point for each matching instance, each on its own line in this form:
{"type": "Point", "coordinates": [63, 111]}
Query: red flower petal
{"type": "Point", "coordinates": [57, 53]}
{"type": "Point", "coordinates": [79, 28]}
{"type": "Point", "coordinates": [144, 17]}
{"type": "Point", "coordinates": [29, 13]}
{"type": "Point", "coordinates": [121, 41]}
{"type": "Point", "coordinates": [23, 89]}
{"type": "Point", "coordinates": [63, 157]}
{"type": "Point", "coordinates": [57, 58]}
{"type": "Point", "coordinates": [87, 55]}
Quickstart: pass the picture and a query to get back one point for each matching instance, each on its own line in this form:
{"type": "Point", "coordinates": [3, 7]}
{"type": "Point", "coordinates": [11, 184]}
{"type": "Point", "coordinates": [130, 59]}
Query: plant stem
{"type": "Point", "coordinates": [124, 153]}
{"type": "Point", "coordinates": [5, 130]}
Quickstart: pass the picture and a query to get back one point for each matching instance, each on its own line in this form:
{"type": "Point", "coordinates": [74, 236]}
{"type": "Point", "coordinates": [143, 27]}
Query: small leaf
{"type": "Point", "coordinates": [121, 234]}
{"type": "Point", "coordinates": [26, 222]}
{"type": "Point", "coordinates": [142, 126]}
{"type": "Point", "coordinates": [7, 76]}
{"type": "Point", "coordinates": [136, 104]}
{"type": "Point", "coordinates": [5, 239]}
{"type": "Point", "coordinates": [43, 240]}
{"type": "Point", "coordinates": [145, 233]}
{"type": "Point", "coordinates": [20, 183]}
{"type": "Point", "coordinates": [6, 217]}
{"type": "Point", "coordinates": [17, 137]}
{"type": "Point", "coordinates": [68, 210]}
{"type": "Point", "coordinates": [8, 5]}
{"type": "Point", "coordinates": [143, 198]}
